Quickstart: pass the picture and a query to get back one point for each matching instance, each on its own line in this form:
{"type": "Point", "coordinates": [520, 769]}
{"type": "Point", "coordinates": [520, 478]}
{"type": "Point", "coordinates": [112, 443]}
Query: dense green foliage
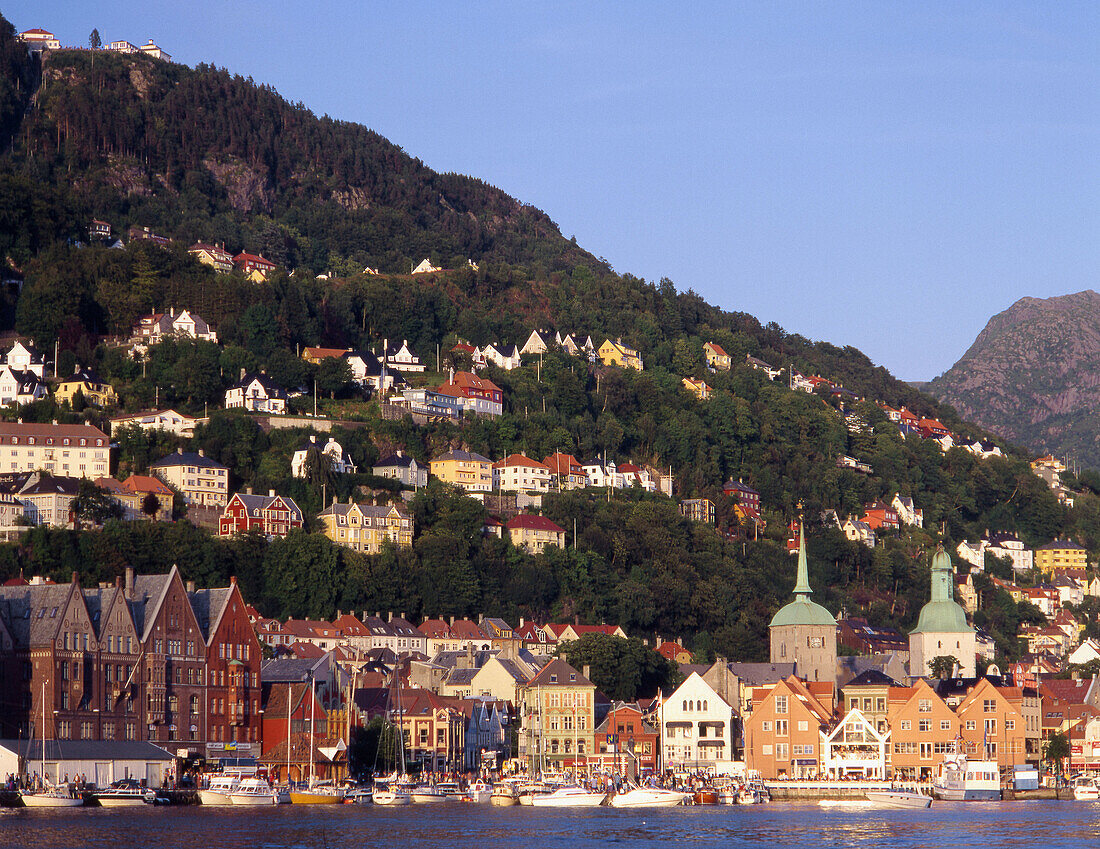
{"type": "Point", "coordinates": [623, 670]}
{"type": "Point", "coordinates": [198, 154]}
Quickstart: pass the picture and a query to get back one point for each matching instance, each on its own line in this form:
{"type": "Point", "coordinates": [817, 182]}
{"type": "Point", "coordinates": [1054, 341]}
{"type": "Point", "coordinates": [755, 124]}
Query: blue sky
{"type": "Point", "coordinates": [887, 176]}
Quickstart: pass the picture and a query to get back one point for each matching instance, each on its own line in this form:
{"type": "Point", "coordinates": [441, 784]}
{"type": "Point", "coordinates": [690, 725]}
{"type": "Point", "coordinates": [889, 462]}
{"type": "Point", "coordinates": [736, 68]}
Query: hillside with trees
{"type": "Point", "coordinates": [197, 154]}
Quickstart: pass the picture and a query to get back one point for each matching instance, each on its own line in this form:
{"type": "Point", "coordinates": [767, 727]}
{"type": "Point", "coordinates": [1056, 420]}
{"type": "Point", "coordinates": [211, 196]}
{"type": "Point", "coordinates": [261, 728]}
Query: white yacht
{"type": "Point", "coordinates": [57, 796]}
{"type": "Point", "coordinates": [1085, 790]}
{"type": "Point", "coordinates": [650, 797]}
{"type": "Point", "coordinates": [569, 797]}
{"type": "Point", "coordinates": [220, 789]}
{"type": "Point", "coordinates": [963, 780]}
{"type": "Point", "coordinates": [899, 798]}
{"type": "Point", "coordinates": [390, 795]}
{"type": "Point", "coordinates": [254, 792]}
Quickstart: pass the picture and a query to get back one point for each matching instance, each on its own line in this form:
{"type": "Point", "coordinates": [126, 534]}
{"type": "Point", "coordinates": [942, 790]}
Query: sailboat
{"type": "Point", "coordinates": [315, 793]}
{"type": "Point", "coordinates": [51, 795]}
{"type": "Point", "coordinates": [392, 791]}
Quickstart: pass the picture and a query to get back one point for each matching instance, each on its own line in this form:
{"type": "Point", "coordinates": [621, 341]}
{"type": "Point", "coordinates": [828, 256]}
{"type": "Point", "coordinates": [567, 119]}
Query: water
{"type": "Point", "coordinates": [946, 825]}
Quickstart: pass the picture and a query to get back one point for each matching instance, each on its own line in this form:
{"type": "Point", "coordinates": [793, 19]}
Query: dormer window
{"type": "Point", "coordinates": [553, 679]}
{"type": "Point", "coordinates": [572, 676]}
{"type": "Point", "coordinates": [30, 440]}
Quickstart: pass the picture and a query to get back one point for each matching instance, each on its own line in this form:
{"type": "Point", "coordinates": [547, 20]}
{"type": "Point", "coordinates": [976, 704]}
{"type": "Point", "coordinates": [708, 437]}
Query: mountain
{"type": "Point", "coordinates": [1033, 376]}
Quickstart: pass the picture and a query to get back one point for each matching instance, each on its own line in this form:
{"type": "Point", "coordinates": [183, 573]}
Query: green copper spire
{"type": "Point", "coordinates": [802, 583]}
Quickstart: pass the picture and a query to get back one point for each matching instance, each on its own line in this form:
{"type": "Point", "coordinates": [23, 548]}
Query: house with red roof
{"type": "Point", "coordinates": [879, 514]}
{"type": "Point", "coordinates": [474, 394]}
{"type": "Point", "coordinates": [717, 359]}
{"type": "Point", "coordinates": [39, 39]}
{"type": "Point", "coordinates": [253, 266]}
{"type": "Point", "coordinates": [216, 256]}
{"type": "Point", "coordinates": [674, 651]}
{"type": "Point", "coordinates": [519, 473]}
{"type": "Point", "coordinates": [534, 533]}
{"type": "Point", "coordinates": [566, 472]}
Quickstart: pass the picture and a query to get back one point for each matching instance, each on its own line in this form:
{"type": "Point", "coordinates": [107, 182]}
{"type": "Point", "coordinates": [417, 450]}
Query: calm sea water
{"type": "Point", "coordinates": [945, 826]}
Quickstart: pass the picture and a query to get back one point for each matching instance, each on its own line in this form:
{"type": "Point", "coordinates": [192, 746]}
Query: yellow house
{"type": "Point", "coordinates": [366, 527]}
{"type": "Point", "coordinates": [466, 469]}
{"type": "Point", "coordinates": [716, 357]}
{"type": "Point", "coordinates": [698, 388]}
{"type": "Point", "coordinates": [1061, 554]}
{"type": "Point", "coordinates": [95, 390]}
{"type": "Point", "coordinates": [535, 533]}
{"type": "Point", "coordinates": [558, 714]}
{"type": "Point", "coordinates": [617, 354]}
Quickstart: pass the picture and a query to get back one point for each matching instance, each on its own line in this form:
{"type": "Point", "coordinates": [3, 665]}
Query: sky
{"type": "Point", "coordinates": [882, 175]}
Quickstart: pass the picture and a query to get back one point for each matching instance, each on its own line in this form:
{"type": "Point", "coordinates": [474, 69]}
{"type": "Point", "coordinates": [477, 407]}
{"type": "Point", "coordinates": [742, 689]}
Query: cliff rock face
{"type": "Point", "coordinates": [1033, 375]}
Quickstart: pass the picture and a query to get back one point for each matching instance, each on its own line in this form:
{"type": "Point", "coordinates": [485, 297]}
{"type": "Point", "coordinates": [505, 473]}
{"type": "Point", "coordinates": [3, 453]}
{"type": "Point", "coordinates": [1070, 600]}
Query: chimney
{"type": "Point", "coordinates": [201, 452]}
{"type": "Point", "coordinates": [243, 373]}
{"type": "Point", "coordinates": [75, 578]}
{"type": "Point", "coordinates": [129, 585]}
{"type": "Point", "coordinates": [452, 621]}
{"type": "Point", "coordinates": [389, 616]}
{"type": "Point", "coordinates": [480, 618]}
{"type": "Point", "coordinates": [271, 493]}
{"type": "Point", "coordinates": [190, 586]}
{"type": "Point", "coordinates": [586, 671]}
{"type": "Point", "coordinates": [521, 622]}
{"type": "Point", "coordinates": [248, 489]}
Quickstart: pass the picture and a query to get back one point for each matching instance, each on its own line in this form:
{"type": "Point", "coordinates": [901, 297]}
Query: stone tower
{"type": "Point", "coordinates": [942, 629]}
{"type": "Point", "coordinates": [804, 632]}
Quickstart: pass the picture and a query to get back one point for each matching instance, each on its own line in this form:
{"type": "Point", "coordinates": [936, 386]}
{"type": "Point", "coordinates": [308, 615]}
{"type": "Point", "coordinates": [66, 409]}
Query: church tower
{"type": "Point", "coordinates": [804, 632]}
{"type": "Point", "coordinates": [942, 630]}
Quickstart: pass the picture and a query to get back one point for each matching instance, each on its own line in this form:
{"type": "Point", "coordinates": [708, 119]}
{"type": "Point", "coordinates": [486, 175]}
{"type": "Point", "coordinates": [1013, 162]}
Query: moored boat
{"type": "Point", "coordinates": [254, 792]}
{"type": "Point", "coordinates": [705, 796]}
{"type": "Point", "coordinates": [390, 795]}
{"type": "Point", "coordinates": [569, 797]}
{"type": "Point", "coordinates": [650, 797]}
{"type": "Point", "coordinates": [479, 793]}
{"type": "Point", "coordinates": [504, 795]}
{"type": "Point", "coordinates": [51, 797]}
{"type": "Point", "coordinates": [963, 780]}
{"type": "Point", "coordinates": [427, 794]}
{"type": "Point", "coordinates": [1085, 790]}
{"type": "Point", "coordinates": [219, 790]}
{"type": "Point", "coordinates": [125, 793]}
{"type": "Point", "coordinates": [317, 795]}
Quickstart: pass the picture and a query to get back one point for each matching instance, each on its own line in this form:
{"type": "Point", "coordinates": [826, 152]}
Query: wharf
{"type": "Point", "coordinates": [10, 798]}
{"type": "Point", "coordinates": [813, 791]}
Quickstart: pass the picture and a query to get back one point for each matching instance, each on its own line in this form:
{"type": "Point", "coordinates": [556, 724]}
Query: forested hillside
{"type": "Point", "coordinates": [197, 154]}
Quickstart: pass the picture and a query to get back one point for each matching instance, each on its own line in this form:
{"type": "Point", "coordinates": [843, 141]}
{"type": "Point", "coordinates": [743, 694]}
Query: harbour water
{"type": "Point", "coordinates": [946, 825]}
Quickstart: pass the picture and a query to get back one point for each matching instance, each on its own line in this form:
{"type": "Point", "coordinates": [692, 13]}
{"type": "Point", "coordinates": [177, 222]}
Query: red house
{"type": "Point", "coordinates": [881, 515]}
{"type": "Point", "coordinates": [248, 263]}
{"type": "Point", "coordinates": [624, 733]}
{"type": "Point", "coordinates": [271, 514]}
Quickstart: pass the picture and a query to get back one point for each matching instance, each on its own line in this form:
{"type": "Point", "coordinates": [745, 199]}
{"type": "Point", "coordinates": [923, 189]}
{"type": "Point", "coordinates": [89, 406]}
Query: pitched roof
{"type": "Point", "coordinates": [187, 458]}
{"type": "Point", "coordinates": [558, 672]}
{"type": "Point", "coordinates": [520, 460]}
{"type": "Point", "coordinates": [527, 521]}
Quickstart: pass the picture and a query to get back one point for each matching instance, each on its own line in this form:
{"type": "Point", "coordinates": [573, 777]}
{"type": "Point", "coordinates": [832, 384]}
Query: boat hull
{"type": "Point", "coordinates": [305, 798]}
{"type": "Point", "coordinates": [253, 800]}
{"type": "Point", "coordinates": [215, 798]}
{"type": "Point", "coordinates": [35, 800]}
{"type": "Point", "coordinates": [503, 800]}
{"type": "Point", "coordinates": [899, 799]}
{"type": "Point", "coordinates": [645, 799]}
{"type": "Point", "coordinates": [569, 800]}
{"type": "Point", "coordinates": [388, 797]}
{"type": "Point", "coordinates": [952, 794]}
{"type": "Point", "coordinates": [420, 798]}
{"type": "Point", "coordinates": [120, 801]}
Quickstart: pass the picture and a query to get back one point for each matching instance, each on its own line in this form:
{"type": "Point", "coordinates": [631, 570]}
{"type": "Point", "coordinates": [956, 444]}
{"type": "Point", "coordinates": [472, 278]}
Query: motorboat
{"type": "Point", "coordinates": [650, 797]}
{"type": "Point", "coordinates": [705, 796]}
{"type": "Point", "coordinates": [254, 792]}
{"type": "Point", "coordinates": [569, 797]}
{"type": "Point", "coordinates": [1085, 790]}
{"type": "Point", "coordinates": [479, 793]}
{"type": "Point", "coordinates": [390, 795]}
{"type": "Point", "coordinates": [359, 796]}
{"type": "Point", "coordinates": [963, 780]}
{"type": "Point", "coordinates": [56, 796]}
{"type": "Point", "coordinates": [220, 789]}
{"type": "Point", "coordinates": [504, 795]}
{"type": "Point", "coordinates": [427, 794]}
{"type": "Point", "coordinates": [753, 792]}
{"type": "Point", "coordinates": [529, 790]}
{"type": "Point", "coordinates": [899, 798]}
{"type": "Point", "coordinates": [125, 793]}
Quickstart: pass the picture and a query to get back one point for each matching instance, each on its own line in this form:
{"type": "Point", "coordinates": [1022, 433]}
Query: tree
{"type": "Point", "coordinates": [621, 669]}
{"type": "Point", "coordinates": [150, 505]}
{"type": "Point", "coordinates": [94, 41]}
{"type": "Point", "coordinates": [1057, 750]}
{"type": "Point", "coordinates": [943, 665]}
{"type": "Point", "coordinates": [334, 376]}
{"type": "Point", "coordinates": [93, 505]}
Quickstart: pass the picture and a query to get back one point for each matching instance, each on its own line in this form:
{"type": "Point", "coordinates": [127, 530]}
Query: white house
{"type": "Point", "coordinates": [20, 387]}
{"type": "Point", "coordinates": [505, 357]}
{"type": "Point", "coordinates": [537, 343]}
{"type": "Point", "coordinates": [257, 393]}
{"type": "Point", "coordinates": [696, 726]}
{"type": "Point", "coordinates": [23, 357]}
{"type": "Point", "coordinates": [168, 420]}
{"type": "Point", "coordinates": [401, 358]}
{"type": "Point", "coordinates": [339, 459]}
{"type": "Point", "coordinates": [907, 511]}
{"type": "Point", "coordinates": [517, 473]}
{"type": "Point", "coordinates": [425, 267]}
{"type": "Point", "coordinates": [602, 474]}
{"type": "Point", "coordinates": [854, 749]}
{"type": "Point", "coordinates": [1087, 652]}
{"type": "Point", "coordinates": [858, 531]}
{"type": "Point", "coordinates": [151, 329]}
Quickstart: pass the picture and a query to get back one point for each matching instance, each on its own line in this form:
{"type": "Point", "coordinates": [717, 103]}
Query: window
{"type": "Point", "coordinates": [765, 725]}
{"type": "Point", "coordinates": [924, 706]}
{"type": "Point", "coordinates": [803, 725]}
{"type": "Point", "coordinates": [926, 725]}
{"type": "Point", "coordinates": [945, 725]}
{"type": "Point", "coordinates": [970, 725]}
{"type": "Point", "coordinates": [781, 751]}
{"type": "Point", "coordinates": [767, 749]}
{"type": "Point", "coordinates": [1010, 725]}
{"type": "Point", "coordinates": [780, 704]}
{"type": "Point", "coordinates": [781, 728]}
{"type": "Point", "coordinates": [989, 706]}
{"type": "Point", "coordinates": [907, 725]}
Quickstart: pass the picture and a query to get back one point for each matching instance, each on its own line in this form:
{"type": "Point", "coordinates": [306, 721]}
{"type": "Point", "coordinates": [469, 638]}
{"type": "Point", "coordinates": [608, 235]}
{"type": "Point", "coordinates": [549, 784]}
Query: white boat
{"type": "Point", "coordinates": [1085, 790]}
{"type": "Point", "coordinates": [899, 798]}
{"type": "Point", "coordinates": [218, 793]}
{"type": "Point", "coordinates": [125, 793]}
{"type": "Point", "coordinates": [254, 792]}
{"type": "Point", "coordinates": [479, 793]}
{"type": "Point", "coordinates": [650, 797]}
{"type": "Point", "coordinates": [753, 792]}
{"type": "Point", "coordinates": [504, 795]}
{"type": "Point", "coordinates": [427, 794]}
{"type": "Point", "coordinates": [569, 797]}
{"type": "Point", "coordinates": [359, 796]}
{"type": "Point", "coordinates": [383, 795]}
{"type": "Point", "coordinates": [51, 797]}
{"type": "Point", "coordinates": [963, 780]}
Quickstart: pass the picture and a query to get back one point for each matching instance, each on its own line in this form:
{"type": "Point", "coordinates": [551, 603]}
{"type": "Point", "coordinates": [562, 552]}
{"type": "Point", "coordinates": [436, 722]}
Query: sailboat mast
{"type": "Point", "coordinates": [312, 699]}
{"type": "Point", "coordinates": [289, 737]}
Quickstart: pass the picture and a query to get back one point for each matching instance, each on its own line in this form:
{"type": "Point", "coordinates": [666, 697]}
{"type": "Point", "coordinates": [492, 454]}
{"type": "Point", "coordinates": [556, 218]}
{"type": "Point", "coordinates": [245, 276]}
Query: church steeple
{"type": "Point", "coordinates": [802, 582]}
